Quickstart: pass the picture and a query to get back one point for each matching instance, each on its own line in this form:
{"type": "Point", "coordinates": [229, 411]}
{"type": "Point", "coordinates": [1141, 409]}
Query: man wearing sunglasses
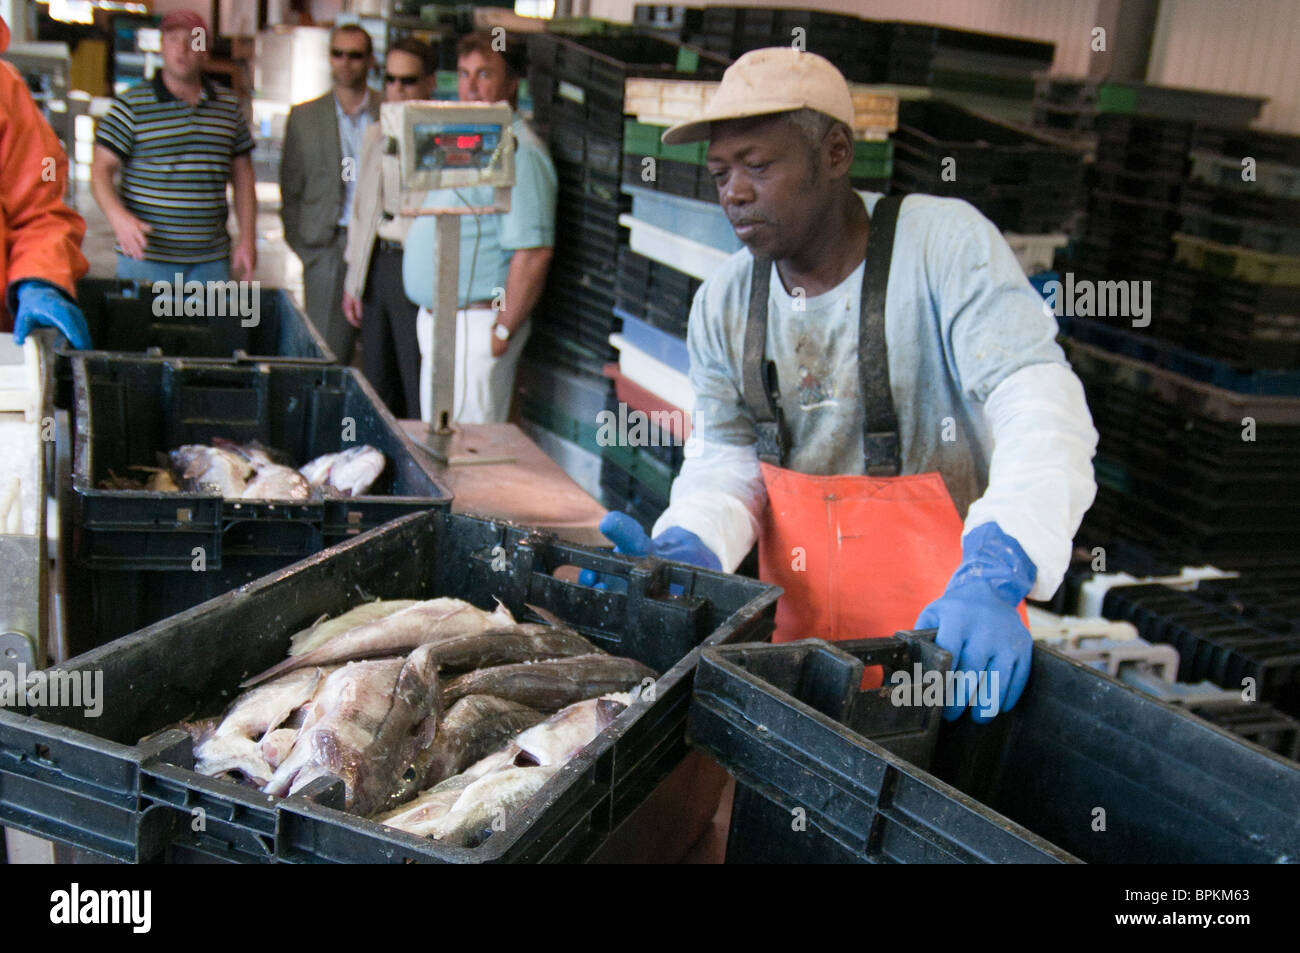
{"type": "Point", "coordinates": [373, 297]}
{"type": "Point", "coordinates": [318, 177]}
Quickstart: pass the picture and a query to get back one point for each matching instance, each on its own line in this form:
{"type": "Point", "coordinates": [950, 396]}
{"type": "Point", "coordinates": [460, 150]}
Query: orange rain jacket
{"type": "Point", "coordinates": [40, 237]}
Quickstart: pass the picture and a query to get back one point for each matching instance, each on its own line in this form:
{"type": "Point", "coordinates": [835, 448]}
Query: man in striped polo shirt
{"type": "Point", "coordinates": [177, 140]}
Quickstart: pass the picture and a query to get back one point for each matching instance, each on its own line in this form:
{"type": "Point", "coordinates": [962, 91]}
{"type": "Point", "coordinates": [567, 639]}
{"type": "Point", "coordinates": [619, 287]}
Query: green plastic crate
{"type": "Point", "coordinates": [640, 138]}
{"type": "Point", "coordinates": [871, 168]}
{"type": "Point", "coordinates": [1116, 99]}
{"type": "Point", "coordinates": [692, 152]}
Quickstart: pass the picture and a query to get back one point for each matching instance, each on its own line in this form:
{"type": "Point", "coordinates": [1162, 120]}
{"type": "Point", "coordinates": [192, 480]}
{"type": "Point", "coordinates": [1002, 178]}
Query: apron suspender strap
{"type": "Point", "coordinates": [880, 444]}
{"type": "Point", "coordinates": [760, 381]}
{"type": "Point", "coordinates": [880, 441]}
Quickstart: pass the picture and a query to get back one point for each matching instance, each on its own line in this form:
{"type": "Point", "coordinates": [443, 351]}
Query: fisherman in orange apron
{"type": "Point", "coordinates": [40, 237]}
{"type": "Point", "coordinates": [880, 400]}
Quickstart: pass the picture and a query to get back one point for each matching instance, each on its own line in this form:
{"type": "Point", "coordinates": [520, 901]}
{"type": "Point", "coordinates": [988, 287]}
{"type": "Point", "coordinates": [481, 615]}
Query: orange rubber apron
{"type": "Point", "coordinates": [858, 556]}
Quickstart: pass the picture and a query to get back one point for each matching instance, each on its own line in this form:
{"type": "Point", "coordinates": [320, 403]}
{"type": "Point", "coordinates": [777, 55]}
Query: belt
{"type": "Point", "coordinates": [387, 246]}
{"type": "Point", "coordinates": [478, 306]}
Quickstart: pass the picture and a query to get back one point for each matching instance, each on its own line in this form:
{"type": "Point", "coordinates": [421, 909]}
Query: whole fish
{"type": "Point", "coordinates": [325, 628]}
{"type": "Point", "coordinates": [205, 469]}
{"type": "Point", "coordinates": [568, 731]}
{"type": "Point", "coordinates": [362, 729]}
{"type": "Point", "coordinates": [472, 728]}
{"type": "Point", "coordinates": [501, 645]}
{"type": "Point", "coordinates": [235, 745]}
{"type": "Point", "coordinates": [317, 471]}
{"type": "Point", "coordinates": [354, 471]}
{"type": "Point", "coordinates": [488, 805]}
{"type": "Point", "coordinates": [396, 634]}
{"type": "Point", "coordinates": [417, 816]}
{"type": "Point", "coordinates": [552, 684]}
{"type": "Point", "coordinates": [272, 480]}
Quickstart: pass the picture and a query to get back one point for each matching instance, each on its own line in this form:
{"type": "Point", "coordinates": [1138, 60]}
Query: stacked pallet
{"type": "Point", "coordinates": [1226, 631]}
{"type": "Point", "coordinates": [1024, 183]}
{"type": "Point", "coordinates": [578, 86]}
{"type": "Point", "coordinates": [1200, 474]}
{"type": "Point", "coordinates": [1206, 215]}
{"type": "Point", "coordinates": [578, 89]}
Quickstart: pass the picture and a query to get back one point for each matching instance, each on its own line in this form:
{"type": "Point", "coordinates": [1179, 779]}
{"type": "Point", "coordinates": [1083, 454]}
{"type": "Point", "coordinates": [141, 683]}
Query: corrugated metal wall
{"type": "Point", "coordinates": [1250, 47]}
{"type": "Point", "coordinates": [1067, 23]}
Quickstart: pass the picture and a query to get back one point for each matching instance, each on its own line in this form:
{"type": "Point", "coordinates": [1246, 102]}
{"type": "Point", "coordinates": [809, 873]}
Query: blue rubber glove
{"type": "Point", "coordinates": [978, 623]}
{"type": "Point", "coordinates": [679, 545]}
{"type": "Point", "coordinates": [42, 305]}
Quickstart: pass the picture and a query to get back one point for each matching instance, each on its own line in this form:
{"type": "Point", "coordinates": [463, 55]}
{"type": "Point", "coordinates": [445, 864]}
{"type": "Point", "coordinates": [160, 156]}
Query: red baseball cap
{"type": "Point", "coordinates": [183, 20]}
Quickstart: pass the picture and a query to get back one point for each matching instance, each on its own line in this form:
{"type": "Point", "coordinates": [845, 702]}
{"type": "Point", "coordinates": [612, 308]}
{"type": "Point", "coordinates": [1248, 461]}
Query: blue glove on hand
{"type": "Point", "coordinates": [978, 623]}
{"type": "Point", "coordinates": [43, 305]}
{"type": "Point", "coordinates": [679, 545]}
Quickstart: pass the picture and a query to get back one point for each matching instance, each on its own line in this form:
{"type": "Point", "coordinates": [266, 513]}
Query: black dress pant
{"type": "Point", "coordinates": [390, 352]}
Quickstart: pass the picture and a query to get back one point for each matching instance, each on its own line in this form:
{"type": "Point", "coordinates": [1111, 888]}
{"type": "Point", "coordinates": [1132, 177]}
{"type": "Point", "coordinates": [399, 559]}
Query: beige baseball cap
{"type": "Point", "coordinates": [773, 80]}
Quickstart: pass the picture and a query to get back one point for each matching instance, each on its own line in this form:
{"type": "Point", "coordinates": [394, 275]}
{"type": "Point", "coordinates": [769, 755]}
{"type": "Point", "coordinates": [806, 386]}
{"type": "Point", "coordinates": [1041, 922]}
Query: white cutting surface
{"type": "Point", "coordinates": [20, 448]}
{"type": "Point", "coordinates": [20, 439]}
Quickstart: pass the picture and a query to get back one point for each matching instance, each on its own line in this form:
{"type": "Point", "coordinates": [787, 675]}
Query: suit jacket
{"type": "Point", "coordinates": [311, 173]}
{"type": "Point", "coordinates": [375, 205]}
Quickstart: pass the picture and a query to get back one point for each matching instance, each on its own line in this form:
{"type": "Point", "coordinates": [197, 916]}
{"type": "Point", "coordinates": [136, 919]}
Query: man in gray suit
{"type": "Point", "coordinates": [318, 175]}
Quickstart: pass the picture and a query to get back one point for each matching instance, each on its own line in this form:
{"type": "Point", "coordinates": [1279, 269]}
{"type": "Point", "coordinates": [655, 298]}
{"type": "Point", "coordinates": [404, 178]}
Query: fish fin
{"type": "Point", "coordinates": [283, 715]}
{"type": "Point", "coordinates": [503, 611]}
{"type": "Point", "coordinates": [301, 637]}
{"type": "Point", "coordinates": [222, 443]}
{"type": "Point", "coordinates": [279, 668]}
{"type": "Point", "coordinates": [549, 617]}
{"type": "Point", "coordinates": [607, 709]}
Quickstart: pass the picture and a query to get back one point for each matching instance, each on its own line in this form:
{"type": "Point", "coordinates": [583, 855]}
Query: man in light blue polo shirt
{"type": "Point", "coordinates": [504, 258]}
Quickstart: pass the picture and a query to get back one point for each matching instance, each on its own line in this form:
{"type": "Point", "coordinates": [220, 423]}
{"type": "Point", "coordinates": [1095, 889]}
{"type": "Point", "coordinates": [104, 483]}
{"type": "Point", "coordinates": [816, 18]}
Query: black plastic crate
{"type": "Point", "coordinates": [661, 446]}
{"type": "Point", "coordinates": [597, 66]}
{"type": "Point", "coordinates": [1239, 143]}
{"type": "Point", "coordinates": [1151, 186]}
{"type": "Point", "coordinates": [129, 409]}
{"type": "Point", "coordinates": [986, 151]}
{"type": "Point", "coordinates": [588, 151]}
{"type": "Point", "coordinates": [881, 782]}
{"type": "Point", "coordinates": [120, 316]}
{"type": "Point", "coordinates": [122, 320]}
{"type": "Point", "coordinates": [591, 184]}
{"type": "Point", "coordinates": [643, 284]}
{"type": "Point", "coordinates": [566, 314]}
{"type": "Point", "coordinates": [1257, 722]}
{"type": "Point", "coordinates": [1214, 641]}
{"type": "Point", "coordinates": [681, 22]}
{"type": "Point", "coordinates": [1134, 213]}
{"type": "Point", "coordinates": [90, 782]}
{"type": "Point", "coordinates": [590, 285]}
{"type": "Point", "coordinates": [1275, 238]}
{"type": "Point", "coordinates": [551, 345]}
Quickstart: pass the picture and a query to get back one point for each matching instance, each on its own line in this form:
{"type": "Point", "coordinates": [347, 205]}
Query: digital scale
{"type": "Point", "coordinates": [442, 145]}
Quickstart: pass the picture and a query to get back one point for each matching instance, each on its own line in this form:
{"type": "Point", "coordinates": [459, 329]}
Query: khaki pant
{"type": "Point", "coordinates": [484, 384]}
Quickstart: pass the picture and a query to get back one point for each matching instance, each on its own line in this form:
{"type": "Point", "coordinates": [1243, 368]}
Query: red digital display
{"type": "Point", "coordinates": [460, 141]}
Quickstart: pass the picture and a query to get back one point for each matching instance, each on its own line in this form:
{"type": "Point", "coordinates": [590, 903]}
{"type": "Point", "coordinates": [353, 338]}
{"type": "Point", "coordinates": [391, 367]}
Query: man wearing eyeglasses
{"type": "Point", "coordinates": [373, 297]}
{"type": "Point", "coordinates": [318, 177]}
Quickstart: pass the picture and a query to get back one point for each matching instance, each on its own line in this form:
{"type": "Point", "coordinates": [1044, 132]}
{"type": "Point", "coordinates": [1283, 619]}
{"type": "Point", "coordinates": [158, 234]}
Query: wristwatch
{"type": "Point", "coordinates": [500, 332]}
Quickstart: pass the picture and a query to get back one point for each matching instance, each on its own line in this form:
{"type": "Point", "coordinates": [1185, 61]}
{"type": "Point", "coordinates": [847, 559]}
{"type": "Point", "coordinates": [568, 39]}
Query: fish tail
{"type": "Point", "coordinates": [279, 668]}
